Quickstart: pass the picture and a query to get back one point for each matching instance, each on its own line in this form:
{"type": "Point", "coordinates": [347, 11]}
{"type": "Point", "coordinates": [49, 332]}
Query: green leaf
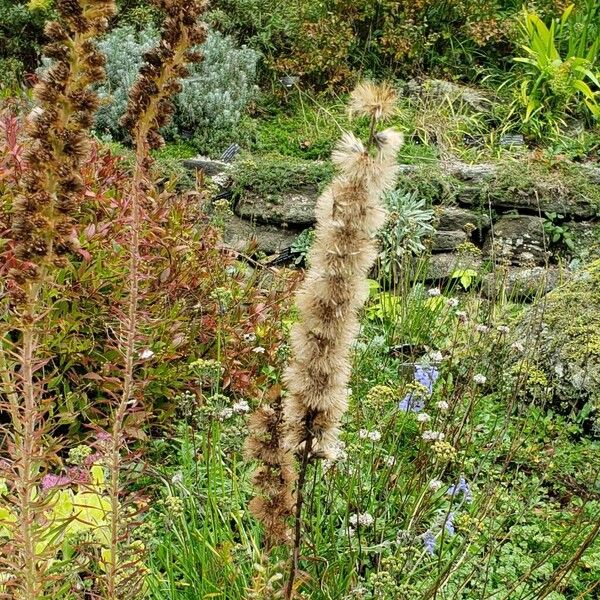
{"type": "Point", "coordinates": [584, 88]}
{"type": "Point", "coordinates": [566, 14]}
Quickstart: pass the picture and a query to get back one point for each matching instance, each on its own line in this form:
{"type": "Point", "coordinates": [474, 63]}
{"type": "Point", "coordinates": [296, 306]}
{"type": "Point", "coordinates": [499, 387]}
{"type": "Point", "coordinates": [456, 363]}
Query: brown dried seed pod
{"type": "Point", "coordinates": [43, 215]}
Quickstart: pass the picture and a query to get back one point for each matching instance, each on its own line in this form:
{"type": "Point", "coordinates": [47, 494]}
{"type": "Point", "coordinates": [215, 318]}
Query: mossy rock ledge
{"type": "Point", "coordinates": [565, 328]}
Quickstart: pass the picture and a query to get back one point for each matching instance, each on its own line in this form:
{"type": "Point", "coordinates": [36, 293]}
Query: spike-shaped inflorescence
{"type": "Point", "coordinates": [44, 213]}
{"type": "Point", "coordinates": [43, 231]}
{"type": "Point", "coordinates": [150, 106]}
{"type": "Point", "coordinates": [349, 213]}
{"type": "Point", "coordinates": [275, 475]}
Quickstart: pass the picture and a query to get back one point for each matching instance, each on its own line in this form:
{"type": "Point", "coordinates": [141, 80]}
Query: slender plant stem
{"type": "Point", "coordinates": [295, 558]}
{"type": "Point", "coordinates": [28, 450]}
{"type": "Point", "coordinates": [128, 376]}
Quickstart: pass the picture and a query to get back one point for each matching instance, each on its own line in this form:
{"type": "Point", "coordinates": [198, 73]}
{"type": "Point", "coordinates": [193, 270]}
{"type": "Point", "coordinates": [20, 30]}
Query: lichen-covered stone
{"type": "Point", "coordinates": [585, 236]}
{"type": "Point", "coordinates": [208, 166]}
{"type": "Point", "coordinates": [518, 239]}
{"type": "Point", "coordinates": [521, 283]}
{"type": "Point", "coordinates": [243, 235]}
{"type": "Point", "coordinates": [564, 329]}
{"type": "Point", "coordinates": [445, 241]}
{"type": "Point", "coordinates": [292, 208]}
{"type": "Point", "coordinates": [452, 218]}
{"type": "Point", "coordinates": [443, 266]}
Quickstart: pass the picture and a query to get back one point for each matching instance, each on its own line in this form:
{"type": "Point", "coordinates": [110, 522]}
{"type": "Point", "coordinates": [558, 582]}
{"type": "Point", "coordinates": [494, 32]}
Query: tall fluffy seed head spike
{"type": "Point", "coordinates": [348, 213]}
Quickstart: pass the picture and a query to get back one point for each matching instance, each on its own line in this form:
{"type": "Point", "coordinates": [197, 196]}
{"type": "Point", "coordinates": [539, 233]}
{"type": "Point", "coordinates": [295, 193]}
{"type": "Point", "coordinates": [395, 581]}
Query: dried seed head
{"type": "Point", "coordinates": [43, 216]}
{"type": "Point", "coordinates": [377, 101]}
{"type": "Point", "coordinates": [275, 475]}
{"type": "Point", "coordinates": [149, 107]}
{"type": "Point", "coordinates": [348, 213]}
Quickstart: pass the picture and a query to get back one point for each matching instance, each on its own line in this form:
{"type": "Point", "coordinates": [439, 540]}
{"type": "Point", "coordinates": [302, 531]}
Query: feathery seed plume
{"type": "Point", "coordinates": [349, 213]}
{"type": "Point", "coordinates": [372, 100]}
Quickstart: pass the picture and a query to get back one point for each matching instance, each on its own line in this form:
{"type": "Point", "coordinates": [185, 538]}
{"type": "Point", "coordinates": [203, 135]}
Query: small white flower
{"type": "Point", "coordinates": [435, 485]}
{"type": "Point", "coordinates": [442, 405]}
{"type": "Point", "coordinates": [482, 328]}
{"type": "Point", "coordinates": [146, 354]}
{"type": "Point", "coordinates": [249, 337]}
{"type": "Point", "coordinates": [390, 461]}
{"type": "Point", "coordinates": [362, 519]}
{"type": "Point", "coordinates": [432, 436]}
{"type": "Point", "coordinates": [503, 329]}
{"type": "Point", "coordinates": [423, 418]}
{"type": "Point", "coordinates": [336, 453]}
{"type": "Point", "coordinates": [225, 414]}
{"type": "Point", "coordinates": [452, 302]}
{"type": "Point", "coordinates": [177, 478]}
{"type": "Point", "coordinates": [374, 436]}
{"type": "Point", "coordinates": [363, 434]}
{"type": "Point", "coordinates": [241, 407]}
{"type": "Point", "coordinates": [436, 356]}
{"type": "Point", "coordinates": [461, 315]}
{"type": "Point", "coordinates": [518, 346]}
{"type": "Point", "coordinates": [366, 520]}
{"type": "Point", "coordinates": [479, 379]}
{"type": "Point", "coordinates": [434, 292]}
{"type": "Point", "coordinates": [258, 350]}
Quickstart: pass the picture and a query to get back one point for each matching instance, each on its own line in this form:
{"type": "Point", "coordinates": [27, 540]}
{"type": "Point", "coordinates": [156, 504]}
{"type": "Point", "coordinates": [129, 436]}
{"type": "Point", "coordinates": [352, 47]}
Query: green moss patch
{"type": "Point", "coordinates": [273, 174]}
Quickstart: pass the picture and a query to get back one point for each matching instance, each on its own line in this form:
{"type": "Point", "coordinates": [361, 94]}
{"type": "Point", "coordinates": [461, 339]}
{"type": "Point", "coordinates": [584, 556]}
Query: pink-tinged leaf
{"type": "Point", "coordinates": [93, 377]}
{"type": "Point", "coordinates": [87, 257]}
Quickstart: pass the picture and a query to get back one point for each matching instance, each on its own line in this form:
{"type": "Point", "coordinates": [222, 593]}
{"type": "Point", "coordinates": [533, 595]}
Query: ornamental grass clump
{"type": "Point", "coordinates": [349, 214]}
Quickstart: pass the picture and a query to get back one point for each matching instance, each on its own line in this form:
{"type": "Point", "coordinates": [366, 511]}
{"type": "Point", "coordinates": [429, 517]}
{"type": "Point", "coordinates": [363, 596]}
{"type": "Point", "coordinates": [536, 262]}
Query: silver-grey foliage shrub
{"type": "Point", "coordinates": [123, 48]}
{"type": "Point", "coordinates": [213, 97]}
{"type": "Point", "coordinates": [408, 225]}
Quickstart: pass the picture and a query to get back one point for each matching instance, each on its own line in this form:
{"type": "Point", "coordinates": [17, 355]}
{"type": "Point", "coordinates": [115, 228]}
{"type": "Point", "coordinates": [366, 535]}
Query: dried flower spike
{"type": "Point", "coordinates": [349, 213]}
{"type": "Point", "coordinates": [149, 107]}
{"type": "Point", "coordinates": [275, 476]}
{"type": "Point", "coordinates": [43, 219]}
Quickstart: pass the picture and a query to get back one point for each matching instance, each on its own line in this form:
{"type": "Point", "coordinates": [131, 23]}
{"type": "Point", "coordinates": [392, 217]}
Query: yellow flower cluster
{"type": "Point", "coordinates": [444, 451]}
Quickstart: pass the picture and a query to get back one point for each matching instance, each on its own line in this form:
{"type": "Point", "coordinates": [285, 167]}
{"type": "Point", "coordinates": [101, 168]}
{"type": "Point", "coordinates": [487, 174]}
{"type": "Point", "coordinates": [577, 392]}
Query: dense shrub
{"type": "Point", "coordinates": [21, 33]}
{"type": "Point", "coordinates": [213, 97]}
{"type": "Point", "coordinates": [189, 280]}
{"type": "Point", "coordinates": [123, 48]}
{"type": "Point", "coordinates": [328, 43]}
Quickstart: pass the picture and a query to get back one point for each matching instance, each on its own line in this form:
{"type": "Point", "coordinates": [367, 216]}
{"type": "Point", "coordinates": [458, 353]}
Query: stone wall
{"type": "Point", "coordinates": [501, 212]}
